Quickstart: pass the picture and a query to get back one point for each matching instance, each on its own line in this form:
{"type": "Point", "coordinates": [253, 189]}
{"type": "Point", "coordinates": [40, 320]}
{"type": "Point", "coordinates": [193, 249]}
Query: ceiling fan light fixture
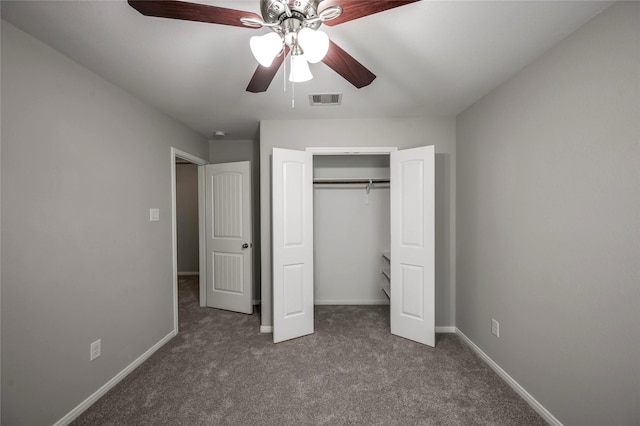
{"type": "Point", "coordinates": [299, 69]}
{"type": "Point", "coordinates": [266, 47]}
{"type": "Point", "coordinates": [315, 44]}
{"type": "Point", "coordinates": [285, 18]}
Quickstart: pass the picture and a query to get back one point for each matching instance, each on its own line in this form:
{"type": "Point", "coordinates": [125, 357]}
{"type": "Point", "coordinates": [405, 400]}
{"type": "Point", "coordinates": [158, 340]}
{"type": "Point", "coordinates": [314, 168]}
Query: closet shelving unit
{"type": "Point", "coordinates": [386, 273]}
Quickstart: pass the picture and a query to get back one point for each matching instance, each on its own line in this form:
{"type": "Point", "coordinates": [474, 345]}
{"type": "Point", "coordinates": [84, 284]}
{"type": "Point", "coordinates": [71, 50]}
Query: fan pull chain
{"type": "Point", "coordinates": [284, 69]}
{"type": "Point", "coordinates": [293, 85]}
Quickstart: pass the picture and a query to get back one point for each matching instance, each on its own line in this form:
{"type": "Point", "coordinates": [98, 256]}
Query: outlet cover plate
{"type": "Point", "coordinates": [94, 351]}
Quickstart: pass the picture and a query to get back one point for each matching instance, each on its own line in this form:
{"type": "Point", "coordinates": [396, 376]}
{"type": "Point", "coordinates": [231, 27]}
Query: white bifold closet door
{"type": "Point", "coordinates": [292, 237]}
{"type": "Point", "coordinates": [412, 244]}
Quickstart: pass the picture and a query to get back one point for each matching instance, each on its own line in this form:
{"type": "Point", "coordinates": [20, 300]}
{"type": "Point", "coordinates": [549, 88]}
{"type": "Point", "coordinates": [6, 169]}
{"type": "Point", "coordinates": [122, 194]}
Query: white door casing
{"type": "Point", "coordinates": [229, 236]}
{"type": "Point", "coordinates": [292, 215]}
{"type": "Point", "coordinates": [413, 244]}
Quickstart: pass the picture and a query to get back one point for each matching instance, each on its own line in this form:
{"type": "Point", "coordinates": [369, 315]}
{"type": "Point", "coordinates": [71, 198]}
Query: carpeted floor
{"type": "Point", "coordinates": [219, 370]}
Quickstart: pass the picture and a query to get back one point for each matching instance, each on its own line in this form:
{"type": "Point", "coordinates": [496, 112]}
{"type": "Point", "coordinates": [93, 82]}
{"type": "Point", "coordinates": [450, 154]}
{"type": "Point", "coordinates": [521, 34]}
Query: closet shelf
{"type": "Point", "coordinates": [386, 272]}
{"type": "Point", "coordinates": [386, 287]}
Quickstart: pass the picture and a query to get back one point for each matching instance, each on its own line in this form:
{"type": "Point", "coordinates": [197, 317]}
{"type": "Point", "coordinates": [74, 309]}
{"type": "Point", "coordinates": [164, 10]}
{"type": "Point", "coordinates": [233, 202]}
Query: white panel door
{"type": "Point", "coordinates": [292, 219]}
{"type": "Point", "coordinates": [228, 236]}
{"type": "Point", "coordinates": [412, 244]}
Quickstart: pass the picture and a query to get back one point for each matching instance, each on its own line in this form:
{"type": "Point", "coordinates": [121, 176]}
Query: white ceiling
{"type": "Point", "coordinates": [430, 57]}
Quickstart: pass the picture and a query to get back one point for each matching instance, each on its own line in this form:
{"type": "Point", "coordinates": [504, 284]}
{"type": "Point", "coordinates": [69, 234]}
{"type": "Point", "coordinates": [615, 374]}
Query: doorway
{"type": "Point", "coordinates": [186, 158]}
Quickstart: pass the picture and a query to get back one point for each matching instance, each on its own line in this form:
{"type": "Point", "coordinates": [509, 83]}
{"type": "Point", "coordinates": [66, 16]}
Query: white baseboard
{"type": "Point", "coordinates": [441, 329]}
{"type": "Point", "coordinates": [351, 302]}
{"type": "Point", "coordinates": [188, 273]}
{"type": "Point", "coordinates": [539, 408]}
{"type": "Point", "coordinates": [73, 414]}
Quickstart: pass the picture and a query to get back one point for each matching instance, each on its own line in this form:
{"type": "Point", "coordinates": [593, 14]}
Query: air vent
{"type": "Point", "coordinates": [325, 99]}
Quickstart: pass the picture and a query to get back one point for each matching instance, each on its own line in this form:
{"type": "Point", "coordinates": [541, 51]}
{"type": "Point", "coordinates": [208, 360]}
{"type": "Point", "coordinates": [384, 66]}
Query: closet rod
{"type": "Point", "coordinates": [347, 180]}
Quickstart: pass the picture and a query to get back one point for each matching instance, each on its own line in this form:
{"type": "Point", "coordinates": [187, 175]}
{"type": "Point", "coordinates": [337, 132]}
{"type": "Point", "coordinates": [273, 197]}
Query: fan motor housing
{"type": "Point", "coordinates": [274, 11]}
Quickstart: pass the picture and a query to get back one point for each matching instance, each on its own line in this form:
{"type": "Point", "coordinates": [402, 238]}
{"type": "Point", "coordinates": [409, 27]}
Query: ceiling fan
{"type": "Point", "coordinates": [294, 25]}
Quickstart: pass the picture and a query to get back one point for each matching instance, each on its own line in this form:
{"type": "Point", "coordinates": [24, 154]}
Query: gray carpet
{"type": "Point", "coordinates": [220, 370]}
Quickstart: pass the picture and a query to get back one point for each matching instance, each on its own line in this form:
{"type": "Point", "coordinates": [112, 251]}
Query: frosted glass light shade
{"type": "Point", "coordinates": [265, 48]}
{"type": "Point", "coordinates": [315, 44]}
{"type": "Point", "coordinates": [299, 69]}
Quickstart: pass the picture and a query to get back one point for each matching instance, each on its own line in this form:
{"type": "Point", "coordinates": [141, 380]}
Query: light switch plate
{"type": "Point", "coordinates": [154, 215]}
{"type": "Point", "coordinates": [495, 328]}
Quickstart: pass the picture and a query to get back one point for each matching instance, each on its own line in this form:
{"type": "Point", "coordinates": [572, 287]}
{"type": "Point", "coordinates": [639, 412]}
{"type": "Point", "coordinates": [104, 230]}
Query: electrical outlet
{"type": "Point", "coordinates": [94, 351]}
{"type": "Point", "coordinates": [495, 328]}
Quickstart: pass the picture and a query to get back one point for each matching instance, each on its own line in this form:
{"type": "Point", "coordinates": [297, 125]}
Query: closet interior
{"type": "Point", "coordinates": [351, 211]}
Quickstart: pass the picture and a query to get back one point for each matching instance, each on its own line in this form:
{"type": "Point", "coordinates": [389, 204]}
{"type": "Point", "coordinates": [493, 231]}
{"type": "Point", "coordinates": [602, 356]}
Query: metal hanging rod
{"type": "Point", "coordinates": [348, 180]}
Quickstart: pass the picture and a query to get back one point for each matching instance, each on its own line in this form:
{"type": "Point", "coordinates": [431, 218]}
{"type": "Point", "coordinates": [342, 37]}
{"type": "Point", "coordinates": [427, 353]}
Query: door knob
{"type": "Point", "coordinates": [245, 246]}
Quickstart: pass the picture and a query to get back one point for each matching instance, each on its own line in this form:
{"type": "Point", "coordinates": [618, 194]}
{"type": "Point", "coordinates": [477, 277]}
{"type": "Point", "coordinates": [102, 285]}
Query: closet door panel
{"type": "Point", "coordinates": [412, 217]}
{"type": "Point", "coordinates": [292, 218]}
{"type": "Point", "coordinates": [412, 244]}
{"type": "Point", "coordinates": [411, 280]}
{"type": "Point", "coordinates": [293, 196]}
{"type": "Point", "coordinates": [293, 290]}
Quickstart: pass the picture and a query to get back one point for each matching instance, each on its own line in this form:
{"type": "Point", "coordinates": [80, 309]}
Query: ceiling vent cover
{"type": "Point", "coordinates": [325, 99]}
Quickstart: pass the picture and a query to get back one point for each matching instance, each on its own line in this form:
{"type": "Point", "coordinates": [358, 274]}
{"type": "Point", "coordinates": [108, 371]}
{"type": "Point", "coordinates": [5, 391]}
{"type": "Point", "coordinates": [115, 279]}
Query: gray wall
{"type": "Point", "coordinates": [82, 163]}
{"type": "Point", "coordinates": [548, 223]}
{"type": "Point", "coordinates": [0, 257]}
{"type": "Point", "coordinates": [187, 218]}
{"type": "Point", "coordinates": [401, 133]}
{"type": "Point", "coordinates": [230, 151]}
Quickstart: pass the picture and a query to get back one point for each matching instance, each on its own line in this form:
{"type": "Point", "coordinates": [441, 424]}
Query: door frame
{"type": "Point", "coordinates": [175, 154]}
{"type": "Point", "coordinates": [338, 150]}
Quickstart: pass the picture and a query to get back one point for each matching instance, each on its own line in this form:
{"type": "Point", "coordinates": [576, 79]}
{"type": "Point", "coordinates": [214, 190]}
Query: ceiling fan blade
{"type": "Point", "coordinates": [264, 75]}
{"type": "Point", "coordinates": [346, 65]}
{"type": "Point", "coordinates": [354, 9]}
{"type": "Point", "coordinates": [192, 12]}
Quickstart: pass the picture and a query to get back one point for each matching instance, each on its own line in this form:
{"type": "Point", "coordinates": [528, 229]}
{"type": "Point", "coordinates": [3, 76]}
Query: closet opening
{"type": "Point", "coordinates": [330, 231]}
{"type": "Point", "coordinates": [351, 227]}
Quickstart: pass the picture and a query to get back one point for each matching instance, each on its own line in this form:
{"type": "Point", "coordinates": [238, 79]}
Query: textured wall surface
{"type": "Point", "coordinates": [548, 223]}
{"type": "Point", "coordinates": [82, 164]}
